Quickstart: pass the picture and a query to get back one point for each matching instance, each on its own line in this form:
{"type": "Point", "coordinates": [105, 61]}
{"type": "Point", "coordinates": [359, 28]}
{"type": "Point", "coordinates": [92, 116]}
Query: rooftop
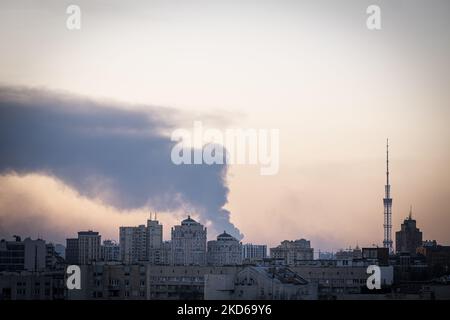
{"type": "Point", "coordinates": [188, 221]}
{"type": "Point", "coordinates": [225, 236]}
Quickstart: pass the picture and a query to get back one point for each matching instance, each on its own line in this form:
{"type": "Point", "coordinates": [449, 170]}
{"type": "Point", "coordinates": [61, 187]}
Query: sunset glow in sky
{"type": "Point", "coordinates": [311, 69]}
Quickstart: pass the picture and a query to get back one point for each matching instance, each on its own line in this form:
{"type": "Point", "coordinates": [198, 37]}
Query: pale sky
{"type": "Point", "coordinates": [311, 69]}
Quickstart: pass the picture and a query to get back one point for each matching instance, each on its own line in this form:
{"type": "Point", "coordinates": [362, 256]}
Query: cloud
{"type": "Point", "coordinates": [38, 205]}
{"type": "Point", "coordinates": [108, 152]}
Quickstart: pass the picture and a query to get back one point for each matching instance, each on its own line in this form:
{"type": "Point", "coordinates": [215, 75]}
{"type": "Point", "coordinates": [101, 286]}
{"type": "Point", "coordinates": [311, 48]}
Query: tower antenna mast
{"type": "Point", "coordinates": [387, 201]}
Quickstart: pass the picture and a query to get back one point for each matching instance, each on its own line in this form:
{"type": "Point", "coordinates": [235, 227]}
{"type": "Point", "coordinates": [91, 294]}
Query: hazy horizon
{"type": "Point", "coordinates": [136, 71]}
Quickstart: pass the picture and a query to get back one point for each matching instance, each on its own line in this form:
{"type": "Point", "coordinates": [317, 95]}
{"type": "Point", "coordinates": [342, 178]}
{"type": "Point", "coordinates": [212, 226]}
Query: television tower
{"type": "Point", "coordinates": [387, 201]}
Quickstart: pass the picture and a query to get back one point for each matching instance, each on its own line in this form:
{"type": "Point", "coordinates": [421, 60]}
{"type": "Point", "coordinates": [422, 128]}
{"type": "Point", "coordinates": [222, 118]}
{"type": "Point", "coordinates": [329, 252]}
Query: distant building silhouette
{"type": "Point", "coordinates": [437, 258]}
{"type": "Point", "coordinates": [27, 255]}
{"type": "Point", "coordinates": [72, 251]}
{"type": "Point", "coordinates": [376, 255]}
{"type": "Point", "coordinates": [349, 254]}
{"type": "Point", "coordinates": [409, 238]}
{"type": "Point", "coordinates": [290, 251]}
{"type": "Point", "coordinates": [85, 249]}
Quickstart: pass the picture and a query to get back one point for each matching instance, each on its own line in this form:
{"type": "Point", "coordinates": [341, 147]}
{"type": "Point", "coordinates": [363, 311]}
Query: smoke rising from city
{"type": "Point", "coordinates": [118, 156]}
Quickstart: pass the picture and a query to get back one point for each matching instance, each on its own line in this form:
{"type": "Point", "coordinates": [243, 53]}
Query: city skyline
{"type": "Point", "coordinates": [315, 252]}
{"type": "Point", "coordinates": [380, 243]}
{"type": "Point", "coordinates": [333, 249]}
{"type": "Point", "coordinates": [224, 158]}
{"type": "Point", "coordinates": [86, 117]}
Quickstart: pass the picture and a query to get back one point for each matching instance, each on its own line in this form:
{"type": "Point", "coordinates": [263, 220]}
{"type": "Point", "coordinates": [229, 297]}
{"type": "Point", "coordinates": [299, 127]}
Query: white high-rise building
{"type": "Point", "coordinates": [189, 243]}
{"type": "Point", "coordinates": [226, 250]}
{"type": "Point", "coordinates": [165, 254]}
{"type": "Point", "coordinates": [132, 242]}
{"type": "Point", "coordinates": [154, 242]}
{"type": "Point", "coordinates": [254, 252]}
{"type": "Point", "coordinates": [141, 243]}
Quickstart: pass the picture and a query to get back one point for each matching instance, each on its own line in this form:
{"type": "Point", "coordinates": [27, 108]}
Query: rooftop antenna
{"type": "Point", "coordinates": [410, 212]}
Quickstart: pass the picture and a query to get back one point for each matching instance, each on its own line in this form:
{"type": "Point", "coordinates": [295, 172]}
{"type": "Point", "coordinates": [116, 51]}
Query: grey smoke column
{"type": "Point", "coordinates": [96, 147]}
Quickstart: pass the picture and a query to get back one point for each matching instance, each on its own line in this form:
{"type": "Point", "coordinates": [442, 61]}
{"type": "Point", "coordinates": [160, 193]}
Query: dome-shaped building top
{"type": "Point", "coordinates": [188, 221]}
{"type": "Point", "coordinates": [225, 236]}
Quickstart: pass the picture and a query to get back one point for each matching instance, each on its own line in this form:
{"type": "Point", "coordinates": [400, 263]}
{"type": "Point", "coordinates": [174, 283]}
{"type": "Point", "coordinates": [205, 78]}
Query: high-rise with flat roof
{"type": "Point", "coordinates": [141, 243]}
{"type": "Point", "coordinates": [72, 251]}
{"type": "Point", "coordinates": [26, 255]}
{"type": "Point", "coordinates": [88, 247]}
{"type": "Point", "coordinates": [291, 251]}
{"type": "Point", "coordinates": [133, 244]}
{"type": "Point", "coordinates": [254, 252]}
{"type": "Point", "coordinates": [154, 242]}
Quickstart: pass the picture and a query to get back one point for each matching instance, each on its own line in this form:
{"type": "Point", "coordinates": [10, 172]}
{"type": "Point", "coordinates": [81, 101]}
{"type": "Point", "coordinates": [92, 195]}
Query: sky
{"type": "Point", "coordinates": [334, 89]}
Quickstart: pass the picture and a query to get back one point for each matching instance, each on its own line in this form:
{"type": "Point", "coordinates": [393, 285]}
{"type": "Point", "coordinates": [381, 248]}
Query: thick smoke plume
{"type": "Point", "coordinates": [109, 153]}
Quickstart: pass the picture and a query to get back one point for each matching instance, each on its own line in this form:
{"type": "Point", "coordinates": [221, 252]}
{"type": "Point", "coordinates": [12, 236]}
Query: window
{"type": "Point", "coordinates": [20, 291]}
{"type": "Point", "coordinates": [114, 282]}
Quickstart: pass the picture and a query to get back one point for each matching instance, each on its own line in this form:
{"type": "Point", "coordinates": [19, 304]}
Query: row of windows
{"type": "Point", "coordinates": [116, 282]}
{"type": "Point", "coordinates": [342, 281]}
{"type": "Point", "coordinates": [36, 291]}
{"type": "Point", "coordinates": [99, 294]}
{"type": "Point", "coordinates": [183, 279]}
{"type": "Point", "coordinates": [141, 293]}
{"type": "Point", "coordinates": [36, 284]}
{"type": "Point", "coordinates": [328, 273]}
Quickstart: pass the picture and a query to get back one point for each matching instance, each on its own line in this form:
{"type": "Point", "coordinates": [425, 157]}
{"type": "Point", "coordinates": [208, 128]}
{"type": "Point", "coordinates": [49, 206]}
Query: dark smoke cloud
{"type": "Point", "coordinates": [93, 146]}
